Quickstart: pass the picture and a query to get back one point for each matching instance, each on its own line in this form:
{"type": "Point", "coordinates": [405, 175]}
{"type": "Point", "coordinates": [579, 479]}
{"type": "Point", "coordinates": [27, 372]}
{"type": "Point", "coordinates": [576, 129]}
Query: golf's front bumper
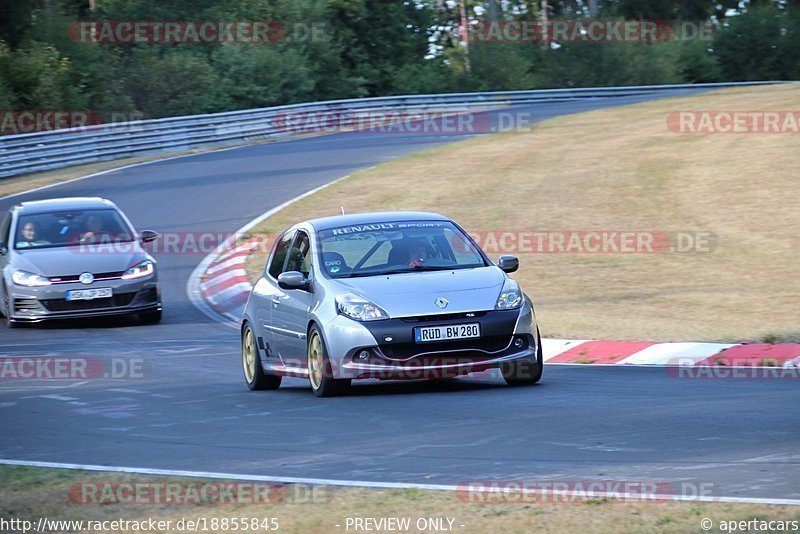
{"type": "Point", "coordinates": [36, 304]}
{"type": "Point", "coordinates": [388, 349]}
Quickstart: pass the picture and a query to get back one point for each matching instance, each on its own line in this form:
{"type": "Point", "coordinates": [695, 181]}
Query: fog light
{"type": "Point", "coordinates": [363, 355]}
{"type": "Point", "coordinates": [518, 343]}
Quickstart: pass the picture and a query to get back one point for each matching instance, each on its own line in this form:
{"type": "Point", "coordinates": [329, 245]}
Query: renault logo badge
{"type": "Point", "coordinates": [86, 278]}
{"type": "Point", "coordinates": [442, 302]}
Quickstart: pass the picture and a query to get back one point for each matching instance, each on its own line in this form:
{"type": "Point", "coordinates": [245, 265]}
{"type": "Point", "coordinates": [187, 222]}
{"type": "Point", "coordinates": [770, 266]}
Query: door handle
{"type": "Point", "coordinates": [276, 301]}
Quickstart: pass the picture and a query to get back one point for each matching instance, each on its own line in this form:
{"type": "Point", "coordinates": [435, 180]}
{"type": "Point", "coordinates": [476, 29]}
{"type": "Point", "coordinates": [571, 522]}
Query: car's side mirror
{"type": "Point", "coordinates": [508, 264]}
{"type": "Point", "coordinates": [293, 280]}
{"type": "Point", "coordinates": [148, 236]}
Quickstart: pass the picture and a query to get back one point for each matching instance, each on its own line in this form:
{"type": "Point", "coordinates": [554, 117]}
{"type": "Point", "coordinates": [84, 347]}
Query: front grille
{"type": "Point", "coordinates": [450, 349]}
{"type": "Point", "coordinates": [25, 305]}
{"type": "Point", "coordinates": [443, 317]}
{"type": "Point", "coordinates": [76, 277]}
{"type": "Point", "coordinates": [62, 305]}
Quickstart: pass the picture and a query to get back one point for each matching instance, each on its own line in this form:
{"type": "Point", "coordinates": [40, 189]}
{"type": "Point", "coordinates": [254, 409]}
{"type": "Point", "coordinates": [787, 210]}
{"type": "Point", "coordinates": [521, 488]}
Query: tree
{"type": "Point", "coordinates": [759, 44]}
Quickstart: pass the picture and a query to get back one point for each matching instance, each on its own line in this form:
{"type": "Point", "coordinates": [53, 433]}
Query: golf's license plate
{"type": "Point", "coordinates": [89, 294]}
{"type": "Point", "coordinates": [428, 334]}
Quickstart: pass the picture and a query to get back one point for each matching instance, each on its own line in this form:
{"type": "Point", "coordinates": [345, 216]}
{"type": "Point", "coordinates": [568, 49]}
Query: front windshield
{"type": "Point", "coordinates": [71, 228]}
{"type": "Point", "coordinates": [396, 247]}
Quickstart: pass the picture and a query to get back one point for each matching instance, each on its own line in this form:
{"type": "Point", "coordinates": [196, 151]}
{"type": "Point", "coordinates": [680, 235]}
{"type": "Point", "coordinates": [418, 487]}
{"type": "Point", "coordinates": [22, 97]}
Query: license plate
{"type": "Point", "coordinates": [431, 334]}
{"type": "Point", "coordinates": [89, 294]}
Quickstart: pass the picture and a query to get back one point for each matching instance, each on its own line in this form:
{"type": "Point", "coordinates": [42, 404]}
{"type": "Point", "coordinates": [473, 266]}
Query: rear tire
{"type": "Point", "coordinates": [320, 372]}
{"type": "Point", "coordinates": [254, 374]}
{"type": "Point", "coordinates": [525, 372]}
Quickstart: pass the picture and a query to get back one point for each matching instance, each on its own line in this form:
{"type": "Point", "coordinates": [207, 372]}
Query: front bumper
{"type": "Point", "coordinates": [387, 349]}
{"type": "Point", "coordinates": [37, 304]}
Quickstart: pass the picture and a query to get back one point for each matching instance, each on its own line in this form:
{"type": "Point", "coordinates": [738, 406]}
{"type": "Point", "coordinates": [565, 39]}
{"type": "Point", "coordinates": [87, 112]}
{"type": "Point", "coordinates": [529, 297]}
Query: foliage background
{"type": "Point", "coordinates": [370, 48]}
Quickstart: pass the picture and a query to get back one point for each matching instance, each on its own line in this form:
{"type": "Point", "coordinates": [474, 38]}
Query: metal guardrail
{"type": "Point", "coordinates": [26, 153]}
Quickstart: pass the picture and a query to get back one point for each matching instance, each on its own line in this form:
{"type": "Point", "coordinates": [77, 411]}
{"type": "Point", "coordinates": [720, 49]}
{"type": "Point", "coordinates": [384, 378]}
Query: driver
{"type": "Point", "coordinates": [417, 254]}
{"type": "Point", "coordinates": [93, 226]}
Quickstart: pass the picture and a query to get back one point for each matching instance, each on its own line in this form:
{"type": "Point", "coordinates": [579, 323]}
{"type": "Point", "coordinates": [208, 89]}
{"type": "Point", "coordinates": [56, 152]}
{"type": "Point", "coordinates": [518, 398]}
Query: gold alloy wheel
{"type": "Point", "coordinates": [315, 360]}
{"type": "Point", "coordinates": [249, 356]}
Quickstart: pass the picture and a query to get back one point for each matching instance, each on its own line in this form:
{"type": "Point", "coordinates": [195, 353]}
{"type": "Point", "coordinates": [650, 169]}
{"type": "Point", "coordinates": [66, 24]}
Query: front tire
{"type": "Point", "coordinates": [525, 372]}
{"type": "Point", "coordinates": [320, 372]}
{"type": "Point", "coordinates": [254, 374]}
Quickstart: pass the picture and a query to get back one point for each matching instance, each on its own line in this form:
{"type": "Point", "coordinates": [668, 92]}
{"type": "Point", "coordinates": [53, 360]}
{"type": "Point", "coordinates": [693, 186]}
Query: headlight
{"type": "Point", "coordinates": [510, 296]}
{"type": "Point", "coordinates": [139, 270]}
{"type": "Point", "coordinates": [358, 308]}
{"type": "Point", "coordinates": [23, 278]}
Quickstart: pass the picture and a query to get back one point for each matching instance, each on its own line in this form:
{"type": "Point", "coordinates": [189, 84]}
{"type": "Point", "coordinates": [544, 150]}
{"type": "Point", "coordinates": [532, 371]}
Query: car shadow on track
{"type": "Point", "coordinates": [374, 388]}
{"type": "Point", "coordinates": [114, 321]}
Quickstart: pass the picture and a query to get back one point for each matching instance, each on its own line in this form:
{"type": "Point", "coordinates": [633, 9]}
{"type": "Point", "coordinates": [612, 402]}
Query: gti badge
{"type": "Point", "coordinates": [86, 278]}
{"type": "Point", "coordinates": [442, 302]}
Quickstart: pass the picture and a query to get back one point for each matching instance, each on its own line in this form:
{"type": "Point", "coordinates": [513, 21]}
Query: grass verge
{"type": "Point", "coordinates": [619, 169]}
{"type": "Point", "coordinates": [30, 493]}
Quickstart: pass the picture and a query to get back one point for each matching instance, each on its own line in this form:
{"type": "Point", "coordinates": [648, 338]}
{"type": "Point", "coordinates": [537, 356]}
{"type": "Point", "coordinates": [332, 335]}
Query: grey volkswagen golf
{"type": "Point", "coordinates": [74, 257]}
{"type": "Point", "coordinates": [401, 295]}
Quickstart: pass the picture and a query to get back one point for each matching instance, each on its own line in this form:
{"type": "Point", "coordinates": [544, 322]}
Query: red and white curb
{"type": "Point", "coordinates": [226, 288]}
{"type": "Point", "coordinates": [566, 351]}
{"type": "Point", "coordinates": [225, 284]}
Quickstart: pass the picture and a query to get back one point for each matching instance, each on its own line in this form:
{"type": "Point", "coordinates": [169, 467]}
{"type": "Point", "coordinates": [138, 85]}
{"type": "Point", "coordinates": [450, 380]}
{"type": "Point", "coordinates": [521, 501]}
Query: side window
{"type": "Point", "coordinates": [279, 254]}
{"type": "Point", "coordinates": [299, 257]}
{"type": "Point", "coordinates": [5, 228]}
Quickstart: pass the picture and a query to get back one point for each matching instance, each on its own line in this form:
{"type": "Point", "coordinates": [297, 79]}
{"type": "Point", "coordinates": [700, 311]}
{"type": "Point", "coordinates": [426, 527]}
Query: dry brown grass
{"type": "Point", "coordinates": [30, 493]}
{"type": "Point", "coordinates": [620, 169]}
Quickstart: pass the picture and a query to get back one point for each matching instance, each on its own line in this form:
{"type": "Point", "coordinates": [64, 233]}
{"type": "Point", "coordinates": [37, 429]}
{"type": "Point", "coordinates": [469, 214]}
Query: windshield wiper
{"type": "Point", "coordinates": [414, 269]}
{"type": "Point", "coordinates": [369, 273]}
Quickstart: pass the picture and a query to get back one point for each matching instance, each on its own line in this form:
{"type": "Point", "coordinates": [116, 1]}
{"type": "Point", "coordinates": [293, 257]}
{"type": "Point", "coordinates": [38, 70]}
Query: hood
{"type": "Point", "coordinates": [410, 294]}
{"type": "Point", "coordinates": [68, 261]}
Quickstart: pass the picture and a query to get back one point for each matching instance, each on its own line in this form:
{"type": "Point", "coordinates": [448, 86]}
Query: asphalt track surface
{"type": "Point", "coordinates": [192, 411]}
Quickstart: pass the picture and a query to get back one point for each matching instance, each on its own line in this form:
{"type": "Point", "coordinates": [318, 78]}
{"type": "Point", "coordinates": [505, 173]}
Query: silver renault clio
{"type": "Point", "coordinates": [398, 295]}
{"type": "Point", "coordinates": [74, 257]}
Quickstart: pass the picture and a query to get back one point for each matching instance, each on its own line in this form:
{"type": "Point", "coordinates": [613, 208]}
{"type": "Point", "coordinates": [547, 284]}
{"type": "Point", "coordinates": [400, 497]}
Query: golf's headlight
{"type": "Point", "coordinates": [139, 270]}
{"type": "Point", "coordinates": [358, 308]}
{"type": "Point", "coordinates": [24, 278]}
{"type": "Point", "coordinates": [510, 296]}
